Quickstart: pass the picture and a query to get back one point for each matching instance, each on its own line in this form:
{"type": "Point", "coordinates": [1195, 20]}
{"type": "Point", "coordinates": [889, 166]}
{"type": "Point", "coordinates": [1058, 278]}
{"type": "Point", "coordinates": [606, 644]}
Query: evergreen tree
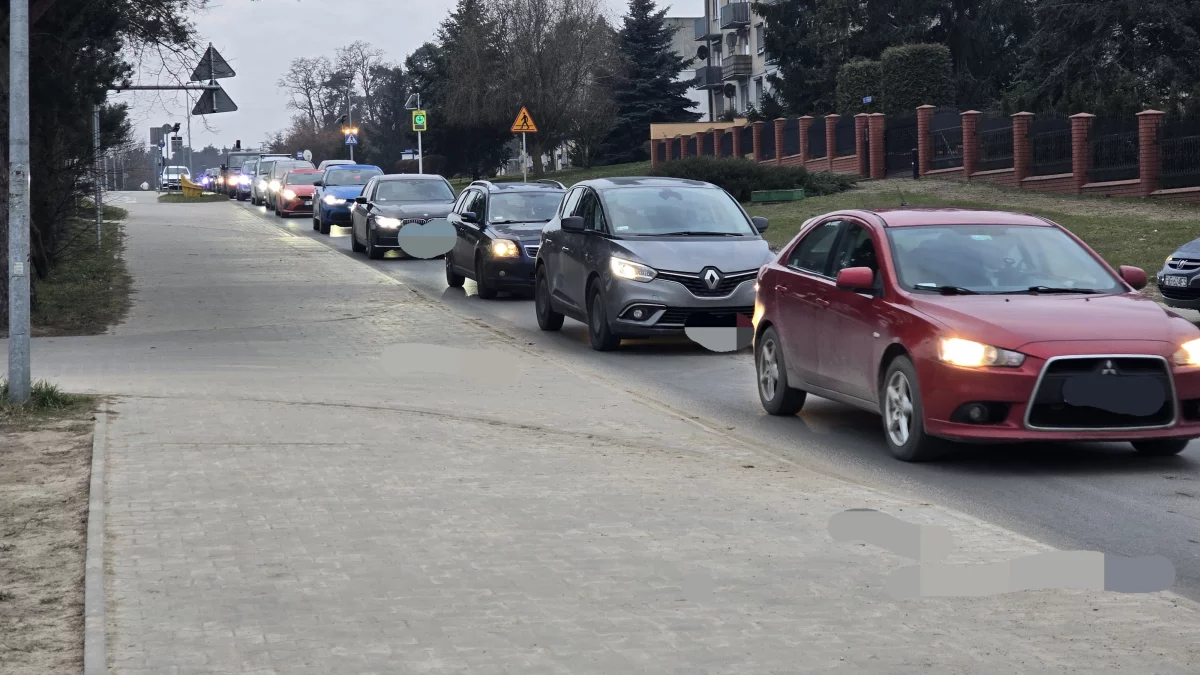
{"type": "Point", "coordinates": [647, 92]}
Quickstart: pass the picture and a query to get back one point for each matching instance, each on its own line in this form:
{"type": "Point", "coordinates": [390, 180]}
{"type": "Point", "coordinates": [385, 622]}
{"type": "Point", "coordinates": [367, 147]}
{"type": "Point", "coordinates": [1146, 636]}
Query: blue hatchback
{"type": "Point", "coordinates": [334, 194]}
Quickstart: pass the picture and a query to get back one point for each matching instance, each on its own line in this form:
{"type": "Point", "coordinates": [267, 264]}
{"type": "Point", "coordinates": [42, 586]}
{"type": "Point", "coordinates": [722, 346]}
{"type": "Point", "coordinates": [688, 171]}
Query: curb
{"type": "Point", "coordinates": [94, 662]}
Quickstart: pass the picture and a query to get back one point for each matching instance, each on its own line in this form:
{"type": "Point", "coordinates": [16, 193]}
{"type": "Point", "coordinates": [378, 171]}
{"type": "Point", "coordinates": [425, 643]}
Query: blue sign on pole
{"type": "Point", "coordinates": [868, 99]}
{"type": "Point", "coordinates": [351, 139]}
{"type": "Point", "coordinates": [299, 155]}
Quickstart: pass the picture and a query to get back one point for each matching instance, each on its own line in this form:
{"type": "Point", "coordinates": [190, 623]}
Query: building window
{"type": "Point", "coordinates": [758, 38]}
{"type": "Point", "coordinates": [744, 91]}
{"type": "Point", "coordinates": [758, 92]}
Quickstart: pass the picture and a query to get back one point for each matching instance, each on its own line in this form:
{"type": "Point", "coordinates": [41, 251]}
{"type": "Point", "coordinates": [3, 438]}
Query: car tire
{"type": "Point", "coordinates": [324, 226]}
{"type": "Point", "coordinates": [599, 331]}
{"type": "Point", "coordinates": [354, 245]}
{"type": "Point", "coordinates": [486, 290]}
{"type": "Point", "coordinates": [547, 318]}
{"type": "Point", "coordinates": [1162, 447]}
{"type": "Point", "coordinates": [453, 279]}
{"type": "Point", "coordinates": [903, 415]}
{"type": "Point", "coordinates": [373, 251]}
{"type": "Point", "coordinates": [776, 396]}
{"type": "Point", "coordinates": [316, 225]}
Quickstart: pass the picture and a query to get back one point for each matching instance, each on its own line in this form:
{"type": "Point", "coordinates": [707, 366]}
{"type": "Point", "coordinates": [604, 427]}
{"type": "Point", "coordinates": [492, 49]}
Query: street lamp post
{"type": "Point", "coordinates": [18, 201]}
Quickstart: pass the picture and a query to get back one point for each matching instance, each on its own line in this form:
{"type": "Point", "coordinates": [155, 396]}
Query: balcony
{"type": "Point", "coordinates": [708, 77]}
{"type": "Point", "coordinates": [706, 31]}
{"type": "Point", "coordinates": [735, 15]}
{"type": "Point", "coordinates": [736, 67]}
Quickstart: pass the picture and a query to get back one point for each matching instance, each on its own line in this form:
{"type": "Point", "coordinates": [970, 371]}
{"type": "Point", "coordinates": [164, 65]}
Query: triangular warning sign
{"type": "Point", "coordinates": [214, 101]}
{"type": "Point", "coordinates": [524, 123]}
{"type": "Point", "coordinates": [212, 66]}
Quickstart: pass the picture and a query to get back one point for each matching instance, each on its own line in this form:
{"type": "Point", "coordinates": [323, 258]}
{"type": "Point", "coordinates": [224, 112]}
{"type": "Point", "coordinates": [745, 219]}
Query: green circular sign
{"type": "Point", "coordinates": [419, 119]}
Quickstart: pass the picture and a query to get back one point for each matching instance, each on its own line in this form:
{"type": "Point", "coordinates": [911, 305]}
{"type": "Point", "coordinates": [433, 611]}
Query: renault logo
{"type": "Point", "coordinates": [1109, 368]}
{"type": "Point", "coordinates": [711, 278]}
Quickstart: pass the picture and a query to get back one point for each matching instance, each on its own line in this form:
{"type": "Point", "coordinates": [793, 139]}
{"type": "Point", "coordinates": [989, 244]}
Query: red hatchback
{"type": "Point", "coordinates": [973, 326]}
{"type": "Point", "coordinates": [296, 192]}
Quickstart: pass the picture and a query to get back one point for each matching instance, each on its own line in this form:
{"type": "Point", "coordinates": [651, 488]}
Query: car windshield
{"type": "Point", "coordinates": [236, 161]}
{"type": "Point", "coordinates": [302, 178]}
{"type": "Point", "coordinates": [265, 167]}
{"type": "Point", "coordinates": [674, 211]}
{"type": "Point", "coordinates": [249, 166]}
{"type": "Point", "coordinates": [351, 176]}
{"type": "Point", "coordinates": [996, 259]}
{"type": "Point", "coordinates": [401, 190]}
{"type": "Point", "coordinates": [524, 207]}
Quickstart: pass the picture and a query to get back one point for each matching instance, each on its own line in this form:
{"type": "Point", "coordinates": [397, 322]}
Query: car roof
{"type": "Point", "coordinates": [643, 181]}
{"type": "Point", "coordinates": [916, 216]}
{"type": "Point", "coordinates": [410, 176]}
{"type": "Point", "coordinates": [518, 187]}
{"type": "Point", "coordinates": [343, 167]}
{"type": "Point", "coordinates": [306, 170]}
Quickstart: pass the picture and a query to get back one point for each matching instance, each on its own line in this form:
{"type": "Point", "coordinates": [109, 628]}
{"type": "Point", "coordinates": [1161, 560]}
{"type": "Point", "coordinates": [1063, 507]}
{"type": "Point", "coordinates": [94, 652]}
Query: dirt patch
{"type": "Point", "coordinates": [45, 469]}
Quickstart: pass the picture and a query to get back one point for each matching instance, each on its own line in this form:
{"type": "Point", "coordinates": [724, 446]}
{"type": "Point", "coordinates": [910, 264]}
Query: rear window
{"type": "Point", "coordinates": [302, 178]}
{"type": "Point", "coordinates": [351, 176]}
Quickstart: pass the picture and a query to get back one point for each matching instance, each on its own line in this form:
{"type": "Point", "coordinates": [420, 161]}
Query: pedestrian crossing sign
{"type": "Point", "coordinates": [351, 139]}
{"type": "Point", "coordinates": [524, 123]}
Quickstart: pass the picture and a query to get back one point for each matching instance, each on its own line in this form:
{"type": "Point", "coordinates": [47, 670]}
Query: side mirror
{"type": "Point", "coordinates": [469, 217]}
{"type": "Point", "coordinates": [360, 200]}
{"type": "Point", "coordinates": [1134, 276]}
{"type": "Point", "coordinates": [760, 223]}
{"type": "Point", "coordinates": [572, 224]}
{"type": "Point", "coordinates": [317, 183]}
{"type": "Point", "coordinates": [856, 279]}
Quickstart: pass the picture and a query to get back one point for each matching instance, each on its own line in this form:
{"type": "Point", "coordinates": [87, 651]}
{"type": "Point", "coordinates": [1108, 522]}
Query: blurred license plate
{"type": "Point", "coordinates": [308, 202]}
{"type": "Point", "coordinates": [1175, 281]}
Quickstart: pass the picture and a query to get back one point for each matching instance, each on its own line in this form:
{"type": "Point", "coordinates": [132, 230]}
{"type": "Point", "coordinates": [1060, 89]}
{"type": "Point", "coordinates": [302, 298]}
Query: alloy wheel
{"type": "Point", "coordinates": [898, 409]}
{"type": "Point", "coordinates": [768, 370]}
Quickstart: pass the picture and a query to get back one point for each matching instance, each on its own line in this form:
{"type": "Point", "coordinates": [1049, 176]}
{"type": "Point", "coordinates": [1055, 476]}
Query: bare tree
{"type": "Point", "coordinates": [362, 62]}
{"type": "Point", "coordinates": [306, 83]}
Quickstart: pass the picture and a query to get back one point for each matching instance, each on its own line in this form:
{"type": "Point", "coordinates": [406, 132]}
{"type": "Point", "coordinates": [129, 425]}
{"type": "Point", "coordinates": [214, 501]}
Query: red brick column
{"type": "Point", "coordinates": [717, 134]}
{"type": "Point", "coordinates": [1022, 149]}
{"type": "Point", "coordinates": [654, 151]}
{"type": "Point", "coordinates": [876, 126]}
{"type": "Point", "coordinates": [779, 124]}
{"type": "Point", "coordinates": [1149, 159]}
{"type": "Point", "coordinates": [831, 138]}
{"type": "Point", "coordinates": [756, 133]}
{"type": "Point", "coordinates": [682, 146]}
{"type": "Point", "coordinates": [805, 122]}
{"type": "Point", "coordinates": [970, 140]}
{"type": "Point", "coordinates": [737, 141]}
{"type": "Point", "coordinates": [1081, 151]}
{"type": "Point", "coordinates": [860, 135]}
{"type": "Point", "coordinates": [924, 139]}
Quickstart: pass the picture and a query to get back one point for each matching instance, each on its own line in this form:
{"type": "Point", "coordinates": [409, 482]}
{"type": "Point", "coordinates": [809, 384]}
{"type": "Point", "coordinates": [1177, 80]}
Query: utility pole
{"type": "Point", "coordinates": [420, 148]}
{"type": "Point", "coordinates": [18, 201]}
{"type": "Point", "coordinates": [96, 159]}
{"type": "Point", "coordinates": [350, 118]}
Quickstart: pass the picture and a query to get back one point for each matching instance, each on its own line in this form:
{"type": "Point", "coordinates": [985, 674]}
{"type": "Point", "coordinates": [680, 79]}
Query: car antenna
{"type": "Point", "coordinates": [901, 193]}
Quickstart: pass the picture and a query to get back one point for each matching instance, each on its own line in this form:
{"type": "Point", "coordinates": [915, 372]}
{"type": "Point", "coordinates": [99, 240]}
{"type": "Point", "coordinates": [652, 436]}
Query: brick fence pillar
{"type": "Point", "coordinates": [779, 124]}
{"type": "Point", "coordinates": [831, 138]}
{"type": "Point", "coordinates": [924, 139]}
{"type": "Point", "coordinates": [654, 142]}
{"type": "Point", "coordinates": [862, 144]}
{"type": "Point", "coordinates": [717, 134]}
{"type": "Point", "coordinates": [1081, 150]}
{"type": "Point", "coordinates": [682, 146]}
{"type": "Point", "coordinates": [804, 122]}
{"type": "Point", "coordinates": [876, 126]}
{"type": "Point", "coordinates": [1022, 149]}
{"type": "Point", "coordinates": [970, 141]}
{"type": "Point", "coordinates": [756, 139]}
{"type": "Point", "coordinates": [737, 141]}
{"type": "Point", "coordinates": [1149, 157]}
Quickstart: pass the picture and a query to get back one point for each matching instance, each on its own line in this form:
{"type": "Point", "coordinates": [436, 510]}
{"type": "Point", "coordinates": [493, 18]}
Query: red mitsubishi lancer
{"type": "Point", "coordinates": [296, 193]}
{"type": "Point", "coordinates": [974, 326]}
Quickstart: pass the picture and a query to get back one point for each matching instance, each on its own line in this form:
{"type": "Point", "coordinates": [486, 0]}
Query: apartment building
{"type": "Point", "coordinates": [685, 46]}
{"type": "Point", "coordinates": [737, 69]}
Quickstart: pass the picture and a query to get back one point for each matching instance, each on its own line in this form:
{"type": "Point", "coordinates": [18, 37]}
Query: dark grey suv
{"type": "Point", "coordinates": [637, 257]}
{"type": "Point", "coordinates": [1179, 279]}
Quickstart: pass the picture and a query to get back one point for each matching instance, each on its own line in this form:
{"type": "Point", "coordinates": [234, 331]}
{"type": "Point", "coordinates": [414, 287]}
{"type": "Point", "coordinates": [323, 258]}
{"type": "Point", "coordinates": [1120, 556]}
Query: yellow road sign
{"type": "Point", "coordinates": [524, 123]}
{"type": "Point", "coordinates": [419, 120]}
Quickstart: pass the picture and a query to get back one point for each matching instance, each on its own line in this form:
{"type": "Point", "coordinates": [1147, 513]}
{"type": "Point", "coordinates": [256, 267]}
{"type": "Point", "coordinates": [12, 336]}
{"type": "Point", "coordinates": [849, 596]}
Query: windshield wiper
{"type": "Point", "coordinates": [694, 233]}
{"type": "Point", "coordinates": [1054, 289]}
{"type": "Point", "coordinates": [946, 290]}
{"type": "Point", "coordinates": [510, 222]}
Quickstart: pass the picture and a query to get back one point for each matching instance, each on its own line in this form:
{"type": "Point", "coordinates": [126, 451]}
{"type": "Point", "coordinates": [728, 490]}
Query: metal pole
{"type": "Point", "coordinates": [420, 148]}
{"type": "Point", "coordinates": [18, 201]}
{"type": "Point", "coordinates": [99, 170]}
{"type": "Point", "coordinates": [524, 160]}
{"type": "Point", "coordinates": [350, 119]}
{"type": "Point", "coordinates": [191, 169]}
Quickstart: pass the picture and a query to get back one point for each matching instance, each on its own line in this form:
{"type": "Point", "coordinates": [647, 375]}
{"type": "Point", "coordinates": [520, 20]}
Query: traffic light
{"type": "Point", "coordinates": [237, 145]}
{"type": "Point", "coordinates": [175, 129]}
{"type": "Point", "coordinates": [419, 120]}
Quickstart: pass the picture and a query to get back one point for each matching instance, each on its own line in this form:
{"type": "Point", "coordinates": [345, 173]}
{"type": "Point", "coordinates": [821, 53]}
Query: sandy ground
{"type": "Point", "coordinates": [44, 476]}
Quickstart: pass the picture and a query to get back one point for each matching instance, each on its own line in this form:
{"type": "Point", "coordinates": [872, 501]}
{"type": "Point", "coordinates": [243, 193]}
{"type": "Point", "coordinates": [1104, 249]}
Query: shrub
{"type": "Point", "coordinates": [740, 177]}
{"type": "Point", "coordinates": [856, 80]}
{"type": "Point", "coordinates": [916, 75]}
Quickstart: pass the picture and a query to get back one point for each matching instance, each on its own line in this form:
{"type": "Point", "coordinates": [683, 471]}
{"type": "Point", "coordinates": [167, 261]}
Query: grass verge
{"type": "Point", "coordinates": [570, 177]}
{"type": "Point", "coordinates": [179, 198]}
{"type": "Point", "coordinates": [46, 403]}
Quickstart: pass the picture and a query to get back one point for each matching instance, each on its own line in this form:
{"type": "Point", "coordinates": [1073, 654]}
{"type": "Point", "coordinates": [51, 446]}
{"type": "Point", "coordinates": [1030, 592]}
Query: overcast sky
{"type": "Point", "coordinates": [259, 39]}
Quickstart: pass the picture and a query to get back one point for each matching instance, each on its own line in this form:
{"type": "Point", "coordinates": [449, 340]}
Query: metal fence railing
{"type": "Point", "coordinates": [1049, 145]}
{"type": "Point", "coordinates": [692, 150]}
{"type": "Point", "coordinates": [747, 133]}
{"type": "Point", "coordinates": [845, 142]}
{"type": "Point", "coordinates": [727, 144]}
{"type": "Point", "coordinates": [995, 143]}
{"type": "Point", "coordinates": [945, 131]}
{"type": "Point", "coordinates": [708, 144]}
{"type": "Point", "coordinates": [662, 151]}
{"type": "Point", "coordinates": [791, 137]}
{"type": "Point", "coordinates": [899, 141]}
{"type": "Point", "coordinates": [1114, 146]}
{"type": "Point", "coordinates": [1179, 150]}
{"type": "Point", "coordinates": [767, 140]}
{"type": "Point", "coordinates": [816, 138]}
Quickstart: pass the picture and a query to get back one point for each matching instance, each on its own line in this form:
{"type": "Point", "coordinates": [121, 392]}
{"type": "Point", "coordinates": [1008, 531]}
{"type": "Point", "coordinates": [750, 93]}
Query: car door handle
{"type": "Point", "coordinates": [822, 302]}
{"type": "Point", "coordinates": [565, 249]}
{"type": "Point", "coordinates": [780, 287]}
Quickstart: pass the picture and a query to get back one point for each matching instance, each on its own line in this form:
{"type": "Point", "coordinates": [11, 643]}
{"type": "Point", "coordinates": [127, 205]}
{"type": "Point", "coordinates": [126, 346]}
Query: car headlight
{"type": "Point", "coordinates": [333, 201]}
{"type": "Point", "coordinates": [389, 223]}
{"type": "Point", "coordinates": [274, 185]}
{"type": "Point", "coordinates": [627, 269]}
{"type": "Point", "coordinates": [289, 194]}
{"type": "Point", "coordinates": [1188, 354]}
{"type": "Point", "coordinates": [505, 248]}
{"type": "Point", "coordinates": [262, 185]}
{"type": "Point", "coordinates": [243, 180]}
{"type": "Point", "coordinates": [971, 354]}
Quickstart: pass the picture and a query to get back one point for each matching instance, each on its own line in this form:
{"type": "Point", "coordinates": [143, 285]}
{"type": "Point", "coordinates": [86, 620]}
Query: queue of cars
{"type": "Point", "coordinates": [953, 325]}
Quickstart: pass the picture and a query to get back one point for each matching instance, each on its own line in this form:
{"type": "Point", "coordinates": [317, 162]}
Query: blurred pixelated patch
{"type": "Point", "coordinates": [719, 331]}
{"type": "Point", "coordinates": [929, 544]}
{"type": "Point", "coordinates": [422, 238]}
{"type": "Point", "coordinates": [491, 367]}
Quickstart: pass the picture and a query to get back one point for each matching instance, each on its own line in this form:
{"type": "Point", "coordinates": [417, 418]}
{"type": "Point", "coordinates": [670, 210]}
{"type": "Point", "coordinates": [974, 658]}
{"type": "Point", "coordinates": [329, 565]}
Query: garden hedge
{"type": "Point", "coordinates": [740, 177]}
{"type": "Point", "coordinates": [855, 81]}
{"type": "Point", "coordinates": [916, 75]}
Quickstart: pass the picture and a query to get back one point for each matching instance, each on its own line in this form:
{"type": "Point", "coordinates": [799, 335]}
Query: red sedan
{"type": "Point", "coordinates": [973, 326]}
{"type": "Point", "coordinates": [296, 192]}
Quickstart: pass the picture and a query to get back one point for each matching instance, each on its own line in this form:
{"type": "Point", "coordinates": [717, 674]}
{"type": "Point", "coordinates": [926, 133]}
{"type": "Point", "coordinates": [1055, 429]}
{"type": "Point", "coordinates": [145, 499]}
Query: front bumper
{"type": "Point", "coordinates": [297, 205]}
{"type": "Point", "coordinates": [1182, 297]}
{"type": "Point", "coordinates": [669, 306]}
{"type": "Point", "coordinates": [338, 214]}
{"type": "Point", "coordinates": [945, 389]}
{"type": "Point", "coordinates": [512, 273]}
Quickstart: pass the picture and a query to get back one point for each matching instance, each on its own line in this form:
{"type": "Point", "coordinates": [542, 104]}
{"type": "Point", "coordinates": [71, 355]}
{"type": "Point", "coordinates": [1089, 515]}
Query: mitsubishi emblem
{"type": "Point", "coordinates": [711, 278]}
{"type": "Point", "coordinates": [1108, 368]}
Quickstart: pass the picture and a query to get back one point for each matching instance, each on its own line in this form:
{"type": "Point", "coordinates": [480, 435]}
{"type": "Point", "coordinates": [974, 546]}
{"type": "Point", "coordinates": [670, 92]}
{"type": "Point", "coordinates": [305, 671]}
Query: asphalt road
{"type": "Point", "coordinates": [1079, 497]}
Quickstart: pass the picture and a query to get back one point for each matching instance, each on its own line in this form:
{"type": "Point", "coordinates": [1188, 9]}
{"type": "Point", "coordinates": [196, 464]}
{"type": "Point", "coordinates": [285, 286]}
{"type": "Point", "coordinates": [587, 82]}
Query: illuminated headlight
{"type": "Point", "coordinates": [289, 194]}
{"type": "Point", "coordinates": [243, 180]}
{"type": "Point", "coordinates": [333, 201]}
{"type": "Point", "coordinates": [262, 185]}
{"type": "Point", "coordinates": [970, 354]}
{"type": "Point", "coordinates": [274, 185]}
{"type": "Point", "coordinates": [388, 223]}
{"type": "Point", "coordinates": [504, 248]}
{"type": "Point", "coordinates": [1188, 354]}
{"type": "Point", "coordinates": [220, 180]}
{"type": "Point", "coordinates": [627, 269]}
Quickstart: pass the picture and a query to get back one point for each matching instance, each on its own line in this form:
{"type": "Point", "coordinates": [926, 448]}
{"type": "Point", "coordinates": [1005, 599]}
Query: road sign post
{"type": "Point", "coordinates": [420, 122]}
{"type": "Point", "coordinates": [524, 124]}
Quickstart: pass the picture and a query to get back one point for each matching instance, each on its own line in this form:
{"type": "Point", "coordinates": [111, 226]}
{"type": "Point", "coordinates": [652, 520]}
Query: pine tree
{"type": "Point", "coordinates": [648, 93]}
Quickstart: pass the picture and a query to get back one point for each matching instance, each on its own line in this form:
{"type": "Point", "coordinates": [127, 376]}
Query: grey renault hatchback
{"type": "Point", "coordinates": [638, 257]}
